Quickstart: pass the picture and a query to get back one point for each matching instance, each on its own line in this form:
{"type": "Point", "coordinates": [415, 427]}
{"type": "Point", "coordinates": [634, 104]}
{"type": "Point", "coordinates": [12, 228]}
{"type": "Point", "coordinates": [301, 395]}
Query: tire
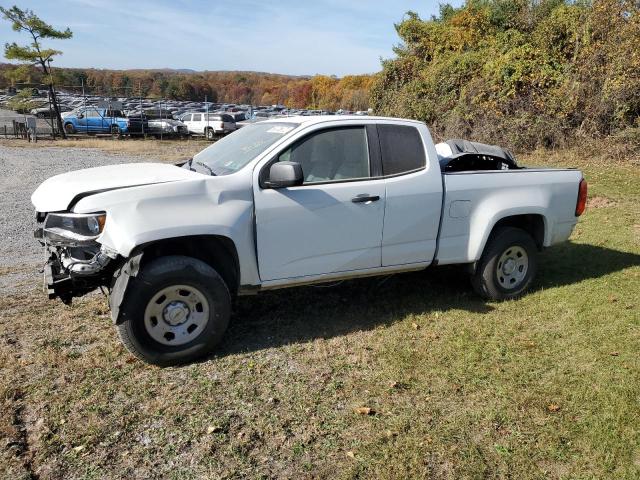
{"type": "Point", "coordinates": [69, 128]}
{"type": "Point", "coordinates": [115, 131]}
{"type": "Point", "coordinates": [507, 266]}
{"type": "Point", "coordinates": [145, 315]}
{"type": "Point", "coordinates": [210, 134]}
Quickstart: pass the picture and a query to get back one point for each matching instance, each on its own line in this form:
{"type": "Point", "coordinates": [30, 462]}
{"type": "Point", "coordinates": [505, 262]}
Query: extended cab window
{"type": "Point", "coordinates": [401, 148]}
{"type": "Point", "coordinates": [331, 155]}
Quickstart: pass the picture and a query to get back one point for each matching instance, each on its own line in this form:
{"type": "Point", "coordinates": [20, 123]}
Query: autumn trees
{"type": "Point", "coordinates": [318, 92]}
{"type": "Point", "coordinates": [518, 72]}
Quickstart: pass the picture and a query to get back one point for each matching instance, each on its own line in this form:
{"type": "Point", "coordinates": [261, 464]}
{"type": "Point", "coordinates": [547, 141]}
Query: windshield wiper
{"type": "Point", "coordinates": [202, 164]}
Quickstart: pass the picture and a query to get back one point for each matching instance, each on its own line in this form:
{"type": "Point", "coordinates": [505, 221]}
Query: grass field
{"type": "Point", "coordinates": [452, 387]}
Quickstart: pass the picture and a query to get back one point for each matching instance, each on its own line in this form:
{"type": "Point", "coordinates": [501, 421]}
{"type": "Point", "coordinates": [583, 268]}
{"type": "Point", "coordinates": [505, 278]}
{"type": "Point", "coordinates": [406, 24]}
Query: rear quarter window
{"type": "Point", "coordinates": [401, 148]}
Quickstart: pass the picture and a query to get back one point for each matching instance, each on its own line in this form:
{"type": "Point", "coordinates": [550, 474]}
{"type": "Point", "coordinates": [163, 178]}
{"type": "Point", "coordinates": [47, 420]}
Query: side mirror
{"type": "Point", "coordinates": [285, 174]}
{"type": "Point", "coordinates": [80, 115]}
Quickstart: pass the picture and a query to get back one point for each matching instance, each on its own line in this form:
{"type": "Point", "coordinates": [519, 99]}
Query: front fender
{"type": "Point", "coordinates": [203, 206]}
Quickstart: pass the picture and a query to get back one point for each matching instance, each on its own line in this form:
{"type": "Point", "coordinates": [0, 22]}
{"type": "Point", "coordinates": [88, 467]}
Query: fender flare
{"type": "Point", "coordinates": [121, 278]}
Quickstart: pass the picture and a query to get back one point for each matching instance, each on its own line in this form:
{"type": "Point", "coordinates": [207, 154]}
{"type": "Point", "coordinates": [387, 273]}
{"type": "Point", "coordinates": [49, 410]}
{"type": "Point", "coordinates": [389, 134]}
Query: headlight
{"type": "Point", "coordinates": [73, 229]}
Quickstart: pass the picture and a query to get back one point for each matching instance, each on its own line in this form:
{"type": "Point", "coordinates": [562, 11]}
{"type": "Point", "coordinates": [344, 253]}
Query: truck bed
{"type": "Point", "coordinates": [474, 201]}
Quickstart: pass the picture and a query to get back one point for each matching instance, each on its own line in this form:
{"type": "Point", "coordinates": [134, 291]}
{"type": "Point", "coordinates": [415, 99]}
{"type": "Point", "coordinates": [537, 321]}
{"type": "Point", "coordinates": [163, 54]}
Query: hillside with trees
{"type": "Point", "coordinates": [517, 72]}
{"type": "Point", "coordinates": [321, 92]}
{"type": "Point", "coordinates": [521, 73]}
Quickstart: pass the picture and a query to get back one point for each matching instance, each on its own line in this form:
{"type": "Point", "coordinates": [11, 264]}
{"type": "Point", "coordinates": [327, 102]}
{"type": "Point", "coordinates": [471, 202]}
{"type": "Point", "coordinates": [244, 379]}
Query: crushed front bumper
{"type": "Point", "coordinates": [63, 283]}
{"type": "Point", "coordinates": [66, 277]}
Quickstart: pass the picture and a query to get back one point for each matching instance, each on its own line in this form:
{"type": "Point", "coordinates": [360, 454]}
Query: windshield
{"type": "Point", "coordinates": [234, 151]}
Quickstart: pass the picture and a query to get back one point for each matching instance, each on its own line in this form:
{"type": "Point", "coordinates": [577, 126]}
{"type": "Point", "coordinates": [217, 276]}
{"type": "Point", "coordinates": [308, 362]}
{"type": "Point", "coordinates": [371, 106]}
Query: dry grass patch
{"type": "Point", "coordinates": [154, 150]}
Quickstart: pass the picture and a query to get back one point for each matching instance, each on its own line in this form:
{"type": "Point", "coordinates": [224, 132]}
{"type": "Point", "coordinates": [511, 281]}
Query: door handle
{"type": "Point", "coordinates": [365, 197]}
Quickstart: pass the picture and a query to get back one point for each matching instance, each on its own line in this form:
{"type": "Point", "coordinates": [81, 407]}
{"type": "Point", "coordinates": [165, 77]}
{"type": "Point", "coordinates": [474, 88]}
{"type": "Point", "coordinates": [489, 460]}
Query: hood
{"type": "Point", "coordinates": [56, 193]}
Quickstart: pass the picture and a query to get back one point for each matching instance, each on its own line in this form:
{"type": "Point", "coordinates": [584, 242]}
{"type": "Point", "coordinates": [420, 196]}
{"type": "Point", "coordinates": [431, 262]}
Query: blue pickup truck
{"type": "Point", "coordinates": [100, 120]}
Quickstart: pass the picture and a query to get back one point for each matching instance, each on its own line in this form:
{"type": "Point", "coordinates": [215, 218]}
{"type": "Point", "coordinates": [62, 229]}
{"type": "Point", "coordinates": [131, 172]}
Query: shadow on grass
{"type": "Point", "coordinates": [570, 263]}
{"type": "Point", "coordinates": [299, 315]}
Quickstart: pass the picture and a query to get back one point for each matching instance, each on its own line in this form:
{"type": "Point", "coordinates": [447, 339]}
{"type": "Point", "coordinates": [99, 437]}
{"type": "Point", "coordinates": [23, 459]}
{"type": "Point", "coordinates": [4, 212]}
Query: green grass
{"type": "Point", "coordinates": [544, 387]}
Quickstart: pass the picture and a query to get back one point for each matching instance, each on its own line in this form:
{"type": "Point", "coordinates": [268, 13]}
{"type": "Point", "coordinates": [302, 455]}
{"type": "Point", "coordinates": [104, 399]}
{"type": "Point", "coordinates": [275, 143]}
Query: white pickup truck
{"type": "Point", "coordinates": [293, 201]}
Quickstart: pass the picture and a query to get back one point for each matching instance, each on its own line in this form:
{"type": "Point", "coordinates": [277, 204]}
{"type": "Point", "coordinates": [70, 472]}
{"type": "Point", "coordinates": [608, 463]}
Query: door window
{"type": "Point", "coordinates": [331, 155]}
{"type": "Point", "coordinates": [401, 148]}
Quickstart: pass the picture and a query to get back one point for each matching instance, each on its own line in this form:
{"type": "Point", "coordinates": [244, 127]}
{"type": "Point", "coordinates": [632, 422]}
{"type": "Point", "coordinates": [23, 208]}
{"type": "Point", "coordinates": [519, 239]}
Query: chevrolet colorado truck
{"type": "Point", "coordinates": [293, 201]}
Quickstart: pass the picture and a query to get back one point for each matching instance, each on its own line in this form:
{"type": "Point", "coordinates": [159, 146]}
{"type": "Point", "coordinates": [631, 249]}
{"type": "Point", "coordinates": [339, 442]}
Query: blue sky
{"type": "Point", "coordinates": [304, 37]}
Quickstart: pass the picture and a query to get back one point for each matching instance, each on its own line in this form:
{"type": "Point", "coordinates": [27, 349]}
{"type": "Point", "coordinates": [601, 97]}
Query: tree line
{"type": "Point", "coordinates": [319, 92]}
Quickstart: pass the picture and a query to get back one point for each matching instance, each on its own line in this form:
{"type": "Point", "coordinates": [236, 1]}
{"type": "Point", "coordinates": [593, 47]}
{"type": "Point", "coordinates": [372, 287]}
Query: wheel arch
{"type": "Point", "coordinates": [535, 224]}
{"type": "Point", "coordinates": [217, 251]}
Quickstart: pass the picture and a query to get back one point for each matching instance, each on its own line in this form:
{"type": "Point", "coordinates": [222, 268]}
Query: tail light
{"type": "Point", "coordinates": [582, 198]}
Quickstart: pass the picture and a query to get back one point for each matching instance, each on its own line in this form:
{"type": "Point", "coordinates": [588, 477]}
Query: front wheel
{"type": "Point", "coordinates": [175, 311]}
{"type": "Point", "coordinates": [69, 128]}
{"type": "Point", "coordinates": [115, 131]}
{"type": "Point", "coordinates": [508, 265]}
{"type": "Point", "coordinates": [210, 134]}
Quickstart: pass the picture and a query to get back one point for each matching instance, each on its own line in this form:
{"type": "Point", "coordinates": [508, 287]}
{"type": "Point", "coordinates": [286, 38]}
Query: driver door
{"type": "Point", "coordinates": [333, 221]}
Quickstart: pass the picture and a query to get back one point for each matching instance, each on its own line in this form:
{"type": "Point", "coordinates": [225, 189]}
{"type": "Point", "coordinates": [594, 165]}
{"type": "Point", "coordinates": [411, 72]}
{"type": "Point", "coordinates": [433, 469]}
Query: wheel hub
{"type": "Point", "coordinates": [509, 266]}
{"type": "Point", "coordinates": [176, 313]}
{"type": "Point", "coordinates": [512, 267]}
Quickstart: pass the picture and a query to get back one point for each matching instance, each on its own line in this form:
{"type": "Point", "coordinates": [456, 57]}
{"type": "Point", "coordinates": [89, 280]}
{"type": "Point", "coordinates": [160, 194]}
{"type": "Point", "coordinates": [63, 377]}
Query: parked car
{"type": "Point", "coordinates": [165, 127]}
{"type": "Point", "coordinates": [45, 111]}
{"type": "Point", "coordinates": [293, 201]}
{"type": "Point", "coordinates": [210, 125]}
{"type": "Point", "coordinates": [101, 120]}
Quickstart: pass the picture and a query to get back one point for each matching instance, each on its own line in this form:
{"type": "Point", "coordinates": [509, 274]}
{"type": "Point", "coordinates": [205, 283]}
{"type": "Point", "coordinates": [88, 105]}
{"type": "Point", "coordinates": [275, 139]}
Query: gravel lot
{"type": "Point", "coordinates": [6, 117]}
{"type": "Point", "coordinates": [21, 171]}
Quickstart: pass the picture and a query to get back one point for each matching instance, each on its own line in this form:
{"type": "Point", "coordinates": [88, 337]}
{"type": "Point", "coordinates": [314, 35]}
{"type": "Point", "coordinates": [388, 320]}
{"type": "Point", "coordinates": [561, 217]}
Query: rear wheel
{"type": "Point", "coordinates": [508, 265]}
{"type": "Point", "coordinates": [175, 311]}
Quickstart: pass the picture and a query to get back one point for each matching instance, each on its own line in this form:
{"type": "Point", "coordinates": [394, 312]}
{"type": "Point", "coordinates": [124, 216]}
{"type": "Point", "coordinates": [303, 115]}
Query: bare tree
{"type": "Point", "coordinates": [34, 53]}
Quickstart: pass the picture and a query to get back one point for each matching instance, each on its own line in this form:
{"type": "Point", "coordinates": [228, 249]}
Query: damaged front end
{"type": "Point", "coordinates": [76, 262]}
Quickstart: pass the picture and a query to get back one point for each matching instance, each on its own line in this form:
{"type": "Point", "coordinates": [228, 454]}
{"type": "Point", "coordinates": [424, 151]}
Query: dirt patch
{"type": "Point", "coordinates": [601, 202]}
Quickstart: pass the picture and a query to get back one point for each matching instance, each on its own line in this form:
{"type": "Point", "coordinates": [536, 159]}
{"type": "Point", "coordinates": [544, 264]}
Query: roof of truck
{"type": "Point", "coordinates": [313, 119]}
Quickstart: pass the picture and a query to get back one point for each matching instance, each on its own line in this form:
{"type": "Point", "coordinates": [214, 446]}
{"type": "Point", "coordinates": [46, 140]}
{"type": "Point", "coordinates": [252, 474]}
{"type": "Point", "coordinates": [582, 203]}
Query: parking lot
{"type": "Point", "coordinates": [130, 116]}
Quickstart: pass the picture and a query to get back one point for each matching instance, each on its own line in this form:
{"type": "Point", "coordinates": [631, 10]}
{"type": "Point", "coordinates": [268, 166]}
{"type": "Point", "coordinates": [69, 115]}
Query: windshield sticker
{"type": "Point", "coordinates": [280, 129]}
